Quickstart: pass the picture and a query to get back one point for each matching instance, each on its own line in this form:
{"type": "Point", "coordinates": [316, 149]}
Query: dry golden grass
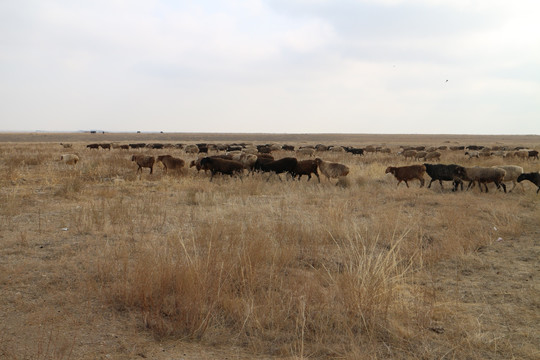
{"type": "Point", "coordinates": [98, 262]}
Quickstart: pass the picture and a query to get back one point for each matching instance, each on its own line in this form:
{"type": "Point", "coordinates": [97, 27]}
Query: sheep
{"type": "Point", "coordinates": [69, 159]}
{"type": "Point", "coordinates": [222, 166]}
{"type": "Point", "coordinates": [406, 173]}
{"type": "Point", "coordinates": [442, 173]}
{"type": "Point", "coordinates": [500, 153]}
{"type": "Point", "coordinates": [472, 154]}
{"type": "Point", "coordinates": [306, 167]}
{"type": "Point", "coordinates": [248, 160]}
{"type": "Point", "coordinates": [434, 155]}
{"type": "Point", "coordinates": [170, 162]}
{"type": "Point", "coordinates": [533, 154]}
{"type": "Point", "coordinates": [284, 165]}
{"type": "Point", "coordinates": [419, 155]}
{"type": "Point", "coordinates": [191, 149]}
{"type": "Point", "coordinates": [287, 147]}
{"type": "Point", "coordinates": [305, 152]}
{"type": "Point", "coordinates": [523, 154]}
{"type": "Point", "coordinates": [66, 146]}
{"type": "Point", "coordinates": [197, 163]}
{"type": "Point", "coordinates": [92, 146]}
{"type": "Point", "coordinates": [533, 177]}
{"type": "Point", "coordinates": [332, 170]}
{"type": "Point", "coordinates": [481, 175]}
{"type": "Point", "coordinates": [337, 149]}
{"type": "Point", "coordinates": [355, 151]}
{"type": "Point", "coordinates": [408, 153]}
{"type": "Point", "coordinates": [144, 161]}
{"type": "Point", "coordinates": [512, 173]}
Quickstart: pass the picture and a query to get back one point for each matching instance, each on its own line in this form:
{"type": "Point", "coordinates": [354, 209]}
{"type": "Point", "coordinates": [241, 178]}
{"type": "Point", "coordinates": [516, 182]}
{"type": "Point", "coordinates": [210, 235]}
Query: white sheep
{"type": "Point", "coordinates": [191, 149]}
{"type": "Point", "coordinates": [305, 152]}
{"type": "Point", "coordinates": [512, 173]}
{"type": "Point", "coordinates": [472, 154]}
{"type": "Point", "coordinates": [332, 170]}
{"type": "Point", "coordinates": [69, 159]}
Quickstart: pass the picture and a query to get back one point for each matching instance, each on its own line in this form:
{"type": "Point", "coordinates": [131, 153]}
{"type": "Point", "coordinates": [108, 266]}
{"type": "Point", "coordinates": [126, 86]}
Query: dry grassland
{"type": "Point", "coordinates": [99, 263]}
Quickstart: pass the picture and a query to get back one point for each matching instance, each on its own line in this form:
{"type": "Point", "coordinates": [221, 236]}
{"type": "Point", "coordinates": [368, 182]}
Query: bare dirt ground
{"type": "Point", "coordinates": [485, 302]}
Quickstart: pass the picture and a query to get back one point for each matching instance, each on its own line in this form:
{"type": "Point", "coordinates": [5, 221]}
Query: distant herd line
{"type": "Point", "coordinates": [242, 156]}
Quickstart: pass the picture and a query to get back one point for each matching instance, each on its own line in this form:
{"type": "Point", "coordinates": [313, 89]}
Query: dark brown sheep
{"type": "Point", "coordinates": [306, 167]}
{"type": "Point", "coordinates": [170, 162]}
{"type": "Point", "coordinates": [533, 154]}
{"type": "Point", "coordinates": [284, 165]}
{"type": "Point", "coordinates": [222, 166]}
{"type": "Point", "coordinates": [144, 161]}
{"type": "Point", "coordinates": [406, 173]}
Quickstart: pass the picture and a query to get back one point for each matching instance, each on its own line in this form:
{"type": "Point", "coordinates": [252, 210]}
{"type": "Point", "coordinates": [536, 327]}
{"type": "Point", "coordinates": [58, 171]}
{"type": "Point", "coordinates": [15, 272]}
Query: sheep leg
{"type": "Point", "coordinates": [440, 182]}
{"type": "Point", "coordinates": [318, 177]}
{"type": "Point", "coordinates": [151, 169]}
{"type": "Point", "coordinates": [406, 183]}
{"type": "Point", "coordinates": [503, 186]}
{"type": "Point", "coordinates": [422, 182]}
{"type": "Point", "coordinates": [429, 186]}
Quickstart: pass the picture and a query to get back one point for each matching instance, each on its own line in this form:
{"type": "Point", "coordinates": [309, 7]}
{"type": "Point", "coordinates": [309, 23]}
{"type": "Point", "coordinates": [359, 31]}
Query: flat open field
{"type": "Point", "coordinates": [99, 262]}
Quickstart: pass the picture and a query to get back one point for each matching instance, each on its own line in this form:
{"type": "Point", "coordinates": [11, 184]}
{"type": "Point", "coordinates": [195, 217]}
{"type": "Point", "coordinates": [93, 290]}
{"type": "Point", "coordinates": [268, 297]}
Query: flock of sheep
{"type": "Point", "coordinates": [241, 157]}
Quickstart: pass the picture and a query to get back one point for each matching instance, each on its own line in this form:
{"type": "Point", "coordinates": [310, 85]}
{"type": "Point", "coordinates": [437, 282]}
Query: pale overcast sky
{"type": "Point", "coordinates": [278, 66]}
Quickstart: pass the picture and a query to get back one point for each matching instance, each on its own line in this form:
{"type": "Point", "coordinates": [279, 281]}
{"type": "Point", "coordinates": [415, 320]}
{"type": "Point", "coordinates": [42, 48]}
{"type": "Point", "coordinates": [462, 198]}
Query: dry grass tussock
{"type": "Point", "coordinates": [363, 270]}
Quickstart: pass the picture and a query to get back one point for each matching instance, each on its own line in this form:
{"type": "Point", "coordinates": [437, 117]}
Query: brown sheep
{"type": "Point", "coordinates": [306, 167]}
{"type": "Point", "coordinates": [332, 170]}
{"type": "Point", "coordinates": [144, 161]}
{"type": "Point", "coordinates": [170, 162]}
{"type": "Point", "coordinates": [408, 153]}
{"type": "Point", "coordinates": [406, 173]}
{"type": "Point", "coordinates": [434, 155]}
{"type": "Point", "coordinates": [222, 166]}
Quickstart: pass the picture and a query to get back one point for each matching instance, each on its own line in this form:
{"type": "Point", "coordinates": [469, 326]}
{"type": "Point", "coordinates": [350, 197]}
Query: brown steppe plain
{"type": "Point", "coordinates": [97, 262]}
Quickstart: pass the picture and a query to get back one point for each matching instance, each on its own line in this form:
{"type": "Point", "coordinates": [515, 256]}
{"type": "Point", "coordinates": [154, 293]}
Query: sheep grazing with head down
{"type": "Point", "coordinates": [406, 173]}
{"type": "Point", "coordinates": [433, 155]}
{"type": "Point", "coordinates": [533, 154]}
{"type": "Point", "coordinates": [69, 159]}
{"type": "Point", "coordinates": [408, 153]}
{"type": "Point", "coordinates": [482, 175]}
{"type": "Point", "coordinates": [332, 170]}
{"type": "Point", "coordinates": [305, 152]}
{"type": "Point", "coordinates": [533, 177]}
{"type": "Point", "coordinates": [144, 161]}
{"type": "Point", "coordinates": [170, 162]}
